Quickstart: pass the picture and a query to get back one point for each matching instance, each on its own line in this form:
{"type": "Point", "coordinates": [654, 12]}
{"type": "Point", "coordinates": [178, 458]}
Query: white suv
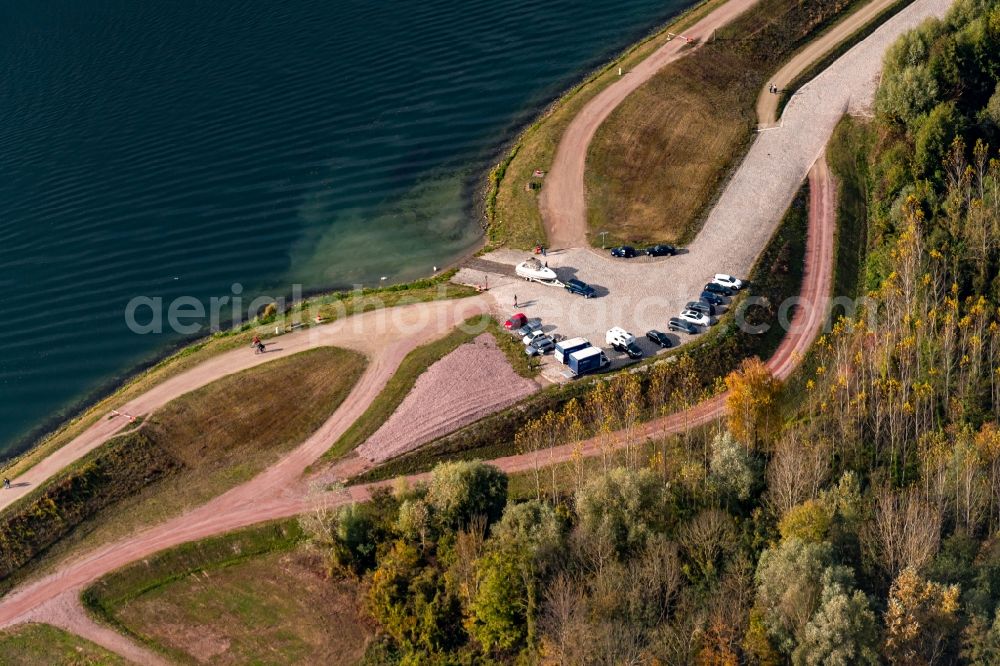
{"type": "Point", "coordinates": [695, 317]}
{"type": "Point", "coordinates": [728, 281]}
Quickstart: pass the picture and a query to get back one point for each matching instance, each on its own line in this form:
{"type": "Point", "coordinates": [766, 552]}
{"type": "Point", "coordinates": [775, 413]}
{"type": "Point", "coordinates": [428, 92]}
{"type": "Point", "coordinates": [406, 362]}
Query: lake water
{"type": "Point", "coordinates": [162, 149]}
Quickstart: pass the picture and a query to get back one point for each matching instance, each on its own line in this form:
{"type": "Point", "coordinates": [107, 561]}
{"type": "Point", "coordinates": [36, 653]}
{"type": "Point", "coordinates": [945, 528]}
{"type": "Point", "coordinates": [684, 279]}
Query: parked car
{"type": "Point", "coordinates": [659, 338]}
{"type": "Point", "coordinates": [515, 322]}
{"type": "Point", "coordinates": [695, 317]}
{"type": "Point", "coordinates": [728, 281]}
{"type": "Point", "coordinates": [530, 326]}
{"type": "Point", "coordinates": [631, 349]}
{"type": "Point", "coordinates": [541, 345]}
{"type": "Point", "coordinates": [702, 307]}
{"type": "Point", "coordinates": [678, 324]}
{"type": "Point", "coordinates": [661, 250]}
{"type": "Point", "coordinates": [715, 288]}
{"type": "Point", "coordinates": [710, 297]}
{"type": "Point", "coordinates": [527, 339]}
{"type": "Point", "coordinates": [575, 286]}
{"type": "Point", "coordinates": [623, 251]}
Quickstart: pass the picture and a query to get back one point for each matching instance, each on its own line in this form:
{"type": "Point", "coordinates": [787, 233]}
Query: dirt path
{"type": "Point", "coordinates": [280, 491]}
{"type": "Point", "coordinates": [767, 102]}
{"type": "Point", "coordinates": [368, 333]}
{"type": "Point", "coordinates": [562, 200]}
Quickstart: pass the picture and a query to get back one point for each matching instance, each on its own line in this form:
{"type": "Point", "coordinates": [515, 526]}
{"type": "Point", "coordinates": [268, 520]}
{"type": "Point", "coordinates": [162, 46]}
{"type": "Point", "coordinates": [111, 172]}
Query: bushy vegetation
{"type": "Point", "coordinates": [848, 517]}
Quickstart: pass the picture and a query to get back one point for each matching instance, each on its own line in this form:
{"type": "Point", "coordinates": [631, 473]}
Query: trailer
{"type": "Point", "coordinates": [567, 347]}
{"type": "Point", "coordinates": [587, 360]}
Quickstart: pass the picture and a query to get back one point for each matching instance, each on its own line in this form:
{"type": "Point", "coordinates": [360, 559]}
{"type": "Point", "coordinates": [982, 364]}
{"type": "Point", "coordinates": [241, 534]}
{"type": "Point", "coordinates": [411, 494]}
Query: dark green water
{"type": "Point", "coordinates": [167, 149]}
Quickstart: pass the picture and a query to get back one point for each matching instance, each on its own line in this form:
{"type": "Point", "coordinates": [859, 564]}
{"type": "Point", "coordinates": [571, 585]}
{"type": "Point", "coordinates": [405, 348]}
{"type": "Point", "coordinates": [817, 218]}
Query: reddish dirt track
{"type": "Point", "coordinates": [281, 492]}
{"type": "Point", "coordinates": [563, 199]}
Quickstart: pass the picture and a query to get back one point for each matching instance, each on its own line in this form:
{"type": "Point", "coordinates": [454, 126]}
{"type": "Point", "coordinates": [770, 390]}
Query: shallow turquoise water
{"type": "Point", "coordinates": [162, 149]}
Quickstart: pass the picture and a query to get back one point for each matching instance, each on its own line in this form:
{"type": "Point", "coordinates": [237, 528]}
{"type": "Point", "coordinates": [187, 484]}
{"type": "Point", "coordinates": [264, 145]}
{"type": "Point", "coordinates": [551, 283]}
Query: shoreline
{"type": "Point", "coordinates": [77, 409]}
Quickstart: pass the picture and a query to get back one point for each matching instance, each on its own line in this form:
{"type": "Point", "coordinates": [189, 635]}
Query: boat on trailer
{"type": "Point", "coordinates": [532, 269]}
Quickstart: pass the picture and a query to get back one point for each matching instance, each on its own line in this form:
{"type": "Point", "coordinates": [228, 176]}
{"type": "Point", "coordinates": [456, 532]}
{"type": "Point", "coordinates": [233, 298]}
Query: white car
{"type": "Point", "coordinates": [530, 337]}
{"type": "Point", "coordinates": [695, 317]}
{"type": "Point", "coordinates": [728, 281]}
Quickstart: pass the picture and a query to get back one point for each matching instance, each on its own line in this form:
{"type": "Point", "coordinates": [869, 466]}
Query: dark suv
{"type": "Point", "coordinates": [713, 288]}
{"type": "Point", "coordinates": [661, 250]}
{"type": "Point", "coordinates": [660, 338]}
{"type": "Point", "coordinates": [624, 252]}
{"type": "Point", "coordinates": [678, 324]}
{"type": "Point", "coordinates": [631, 349]}
{"type": "Point", "coordinates": [575, 286]}
{"type": "Point", "coordinates": [709, 297]}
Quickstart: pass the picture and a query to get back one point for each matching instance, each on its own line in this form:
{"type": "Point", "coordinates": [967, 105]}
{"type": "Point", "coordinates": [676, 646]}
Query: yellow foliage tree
{"type": "Point", "coordinates": [751, 405]}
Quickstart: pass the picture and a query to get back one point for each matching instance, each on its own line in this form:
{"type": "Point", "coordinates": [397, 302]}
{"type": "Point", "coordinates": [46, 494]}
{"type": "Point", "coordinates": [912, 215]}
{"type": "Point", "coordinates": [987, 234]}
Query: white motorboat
{"type": "Point", "coordinates": [533, 269]}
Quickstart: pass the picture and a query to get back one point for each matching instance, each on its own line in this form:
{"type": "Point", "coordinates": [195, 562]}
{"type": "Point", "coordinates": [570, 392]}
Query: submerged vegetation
{"type": "Point", "coordinates": [848, 517]}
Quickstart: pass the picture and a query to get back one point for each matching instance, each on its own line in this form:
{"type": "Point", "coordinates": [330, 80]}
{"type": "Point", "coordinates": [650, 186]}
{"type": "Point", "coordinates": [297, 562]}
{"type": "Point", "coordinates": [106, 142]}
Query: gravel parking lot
{"type": "Point", "coordinates": [640, 294]}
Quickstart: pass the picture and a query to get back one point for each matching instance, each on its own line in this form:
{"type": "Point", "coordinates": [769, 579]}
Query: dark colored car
{"type": "Point", "coordinates": [575, 286]}
{"type": "Point", "coordinates": [515, 322]}
{"type": "Point", "coordinates": [702, 307]}
{"type": "Point", "coordinates": [624, 251]}
{"type": "Point", "coordinates": [677, 324]}
{"type": "Point", "coordinates": [660, 338]}
{"type": "Point", "coordinates": [709, 297]}
{"type": "Point", "coordinates": [631, 349]}
{"type": "Point", "coordinates": [713, 288]}
{"type": "Point", "coordinates": [662, 250]}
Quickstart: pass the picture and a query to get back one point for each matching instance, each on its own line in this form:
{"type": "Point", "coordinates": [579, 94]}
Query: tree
{"type": "Point", "coordinates": [733, 470]}
{"type": "Point", "coordinates": [904, 531]}
{"type": "Point", "coordinates": [412, 603]}
{"type": "Point", "coordinates": [414, 520]}
{"type": "Point", "coordinates": [841, 632]}
{"type": "Point", "coordinates": [460, 491]}
{"type": "Point", "coordinates": [622, 507]}
{"type": "Point", "coordinates": [751, 406]}
{"type": "Point", "coordinates": [706, 539]}
{"type": "Point", "coordinates": [498, 614]}
{"type": "Point", "coordinates": [921, 620]}
{"type": "Point", "coordinates": [790, 580]}
{"type": "Point", "coordinates": [809, 521]}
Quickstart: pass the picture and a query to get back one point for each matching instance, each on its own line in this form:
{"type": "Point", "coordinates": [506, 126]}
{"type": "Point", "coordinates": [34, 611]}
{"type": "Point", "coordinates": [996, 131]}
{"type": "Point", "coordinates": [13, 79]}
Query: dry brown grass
{"type": "Point", "coordinates": [656, 164]}
{"type": "Point", "coordinates": [222, 434]}
{"type": "Point", "coordinates": [514, 217]}
{"type": "Point", "coordinates": [273, 609]}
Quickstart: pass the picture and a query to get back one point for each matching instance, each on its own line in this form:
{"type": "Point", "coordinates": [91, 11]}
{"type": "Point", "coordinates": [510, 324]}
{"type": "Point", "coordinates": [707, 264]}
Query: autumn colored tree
{"type": "Point", "coordinates": [921, 620]}
{"type": "Point", "coordinates": [751, 406]}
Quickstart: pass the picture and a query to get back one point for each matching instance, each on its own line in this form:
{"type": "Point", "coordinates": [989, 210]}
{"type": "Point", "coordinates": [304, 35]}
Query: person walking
{"type": "Point", "coordinates": [6, 483]}
{"type": "Point", "coordinates": [515, 301]}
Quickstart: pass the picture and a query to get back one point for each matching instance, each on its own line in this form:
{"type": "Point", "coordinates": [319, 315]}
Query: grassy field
{"type": "Point", "coordinates": [655, 166]}
{"type": "Point", "coordinates": [330, 307]}
{"type": "Point", "coordinates": [33, 644]}
{"type": "Point", "coordinates": [414, 365]}
{"type": "Point", "coordinates": [511, 207]}
{"type": "Point", "coordinates": [252, 596]}
{"type": "Point", "coordinates": [193, 449]}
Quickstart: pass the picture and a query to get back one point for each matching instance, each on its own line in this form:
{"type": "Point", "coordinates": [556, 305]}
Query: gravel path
{"type": "Point", "coordinates": [472, 381]}
{"type": "Point", "coordinates": [767, 102]}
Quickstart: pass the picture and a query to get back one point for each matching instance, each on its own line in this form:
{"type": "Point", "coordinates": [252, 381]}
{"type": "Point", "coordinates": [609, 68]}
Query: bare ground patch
{"type": "Point", "coordinates": [474, 380]}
